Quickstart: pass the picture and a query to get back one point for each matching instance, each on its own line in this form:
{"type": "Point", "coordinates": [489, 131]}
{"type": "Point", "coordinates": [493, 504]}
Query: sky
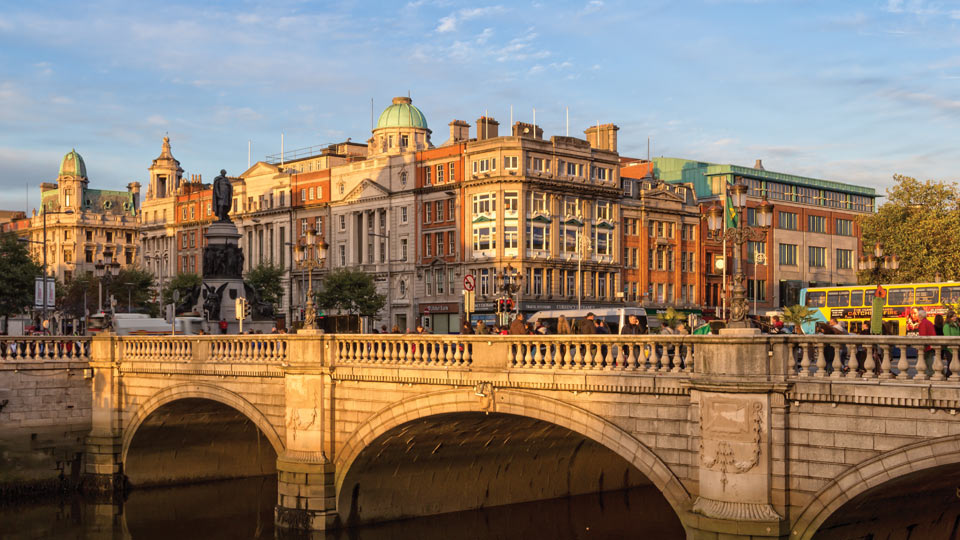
{"type": "Point", "coordinates": [853, 91]}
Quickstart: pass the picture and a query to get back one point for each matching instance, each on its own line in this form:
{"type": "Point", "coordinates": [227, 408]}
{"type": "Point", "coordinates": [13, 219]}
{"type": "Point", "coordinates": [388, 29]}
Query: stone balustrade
{"type": "Point", "coordinates": [165, 349]}
{"type": "Point", "coordinates": [44, 349]}
{"type": "Point", "coordinates": [645, 353]}
{"type": "Point", "coordinates": [875, 357]}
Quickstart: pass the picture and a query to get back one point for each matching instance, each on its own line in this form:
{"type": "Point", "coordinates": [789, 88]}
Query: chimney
{"type": "Point", "coordinates": [759, 165]}
{"type": "Point", "coordinates": [459, 131]}
{"type": "Point", "coordinates": [487, 128]}
{"type": "Point", "coordinates": [523, 129]}
{"type": "Point", "coordinates": [134, 188]}
{"type": "Point", "coordinates": [603, 136]}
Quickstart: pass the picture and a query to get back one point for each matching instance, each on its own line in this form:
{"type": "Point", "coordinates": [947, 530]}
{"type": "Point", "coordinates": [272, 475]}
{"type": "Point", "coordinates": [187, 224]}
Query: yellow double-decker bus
{"type": "Point", "coordinates": [853, 303]}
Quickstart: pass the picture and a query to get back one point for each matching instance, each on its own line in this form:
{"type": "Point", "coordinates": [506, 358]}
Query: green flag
{"type": "Point", "coordinates": [876, 316]}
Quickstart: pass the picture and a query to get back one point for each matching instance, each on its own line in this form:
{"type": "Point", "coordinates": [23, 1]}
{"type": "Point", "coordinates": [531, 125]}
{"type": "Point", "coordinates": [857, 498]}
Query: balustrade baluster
{"type": "Point", "coordinates": [666, 357]}
{"type": "Point", "coordinates": [596, 362]}
{"type": "Point", "coordinates": [466, 353]}
{"type": "Point", "coordinates": [821, 359]}
{"type": "Point", "coordinates": [954, 364]}
{"type": "Point", "coordinates": [677, 357]}
{"type": "Point", "coordinates": [447, 352]}
{"type": "Point", "coordinates": [836, 365]}
{"type": "Point", "coordinates": [921, 364]}
{"type": "Point", "coordinates": [577, 357]}
{"type": "Point", "coordinates": [804, 360]}
{"type": "Point", "coordinates": [527, 357]}
{"type": "Point", "coordinates": [458, 353]}
{"type": "Point", "coordinates": [631, 360]}
{"type": "Point", "coordinates": [688, 360]}
{"type": "Point", "coordinates": [608, 358]}
{"type": "Point", "coordinates": [567, 356]}
{"type": "Point", "coordinates": [902, 365]}
{"type": "Point", "coordinates": [537, 355]}
{"type": "Point", "coordinates": [654, 357]}
{"type": "Point", "coordinates": [938, 363]}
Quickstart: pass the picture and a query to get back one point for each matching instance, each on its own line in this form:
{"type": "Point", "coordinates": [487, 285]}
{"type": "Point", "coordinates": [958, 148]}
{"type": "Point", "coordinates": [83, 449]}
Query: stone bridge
{"type": "Point", "coordinates": [745, 436]}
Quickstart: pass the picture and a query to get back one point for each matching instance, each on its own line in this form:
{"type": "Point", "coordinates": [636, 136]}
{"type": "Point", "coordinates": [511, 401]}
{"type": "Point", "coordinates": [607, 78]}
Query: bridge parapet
{"type": "Point", "coordinates": [44, 348]}
{"type": "Point", "coordinates": [913, 358]}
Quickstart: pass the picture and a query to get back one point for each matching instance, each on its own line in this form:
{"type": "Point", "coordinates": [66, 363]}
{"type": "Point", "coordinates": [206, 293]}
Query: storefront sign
{"type": "Point", "coordinates": [447, 307]}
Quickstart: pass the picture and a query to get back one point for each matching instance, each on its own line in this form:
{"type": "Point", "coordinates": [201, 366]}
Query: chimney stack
{"type": "Point", "coordinates": [487, 128]}
{"type": "Point", "coordinates": [759, 165]}
{"type": "Point", "coordinates": [459, 131]}
{"type": "Point", "coordinates": [523, 129]}
{"type": "Point", "coordinates": [603, 136]}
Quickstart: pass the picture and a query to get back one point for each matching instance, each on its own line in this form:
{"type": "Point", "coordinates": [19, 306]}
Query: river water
{"type": "Point", "coordinates": [240, 509]}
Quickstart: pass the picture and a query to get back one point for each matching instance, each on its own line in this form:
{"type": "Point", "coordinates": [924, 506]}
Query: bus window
{"type": "Point", "coordinates": [950, 295]}
{"type": "Point", "coordinates": [928, 296]}
{"type": "Point", "coordinates": [838, 298]}
{"type": "Point", "coordinates": [901, 296]}
{"type": "Point", "coordinates": [868, 297]}
{"type": "Point", "coordinates": [856, 298]}
{"type": "Point", "coordinates": [816, 299]}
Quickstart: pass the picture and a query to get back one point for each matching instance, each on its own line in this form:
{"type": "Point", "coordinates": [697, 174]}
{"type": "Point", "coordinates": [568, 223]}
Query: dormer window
{"type": "Point", "coordinates": [404, 141]}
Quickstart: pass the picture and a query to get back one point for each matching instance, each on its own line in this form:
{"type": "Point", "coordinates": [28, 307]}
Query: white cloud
{"type": "Point", "coordinates": [592, 6]}
{"type": "Point", "coordinates": [447, 24]}
{"type": "Point", "coordinates": [61, 100]}
{"type": "Point", "coordinates": [451, 21]}
{"type": "Point", "coordinates": [156, 120]}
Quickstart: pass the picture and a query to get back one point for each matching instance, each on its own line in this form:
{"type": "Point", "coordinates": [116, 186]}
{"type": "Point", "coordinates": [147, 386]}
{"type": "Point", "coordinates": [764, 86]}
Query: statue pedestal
{"type": "Point", "coordinates": [222, 272]}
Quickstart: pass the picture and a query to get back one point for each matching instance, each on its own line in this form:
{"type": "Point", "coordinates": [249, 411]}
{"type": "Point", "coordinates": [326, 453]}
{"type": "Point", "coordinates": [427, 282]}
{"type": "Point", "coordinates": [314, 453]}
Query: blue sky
{"type": "Point", "coordinates": [849, 91]}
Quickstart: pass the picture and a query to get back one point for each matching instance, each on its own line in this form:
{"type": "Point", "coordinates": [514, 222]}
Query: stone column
{"type": "Point", "coordinates": [307, 498]}
{"type": "Point", "coordinates": [738, 390]}
{"type": "Point", "coordinates": [365, 238]}
{"type": "Point", "coordinates": [103, 468]}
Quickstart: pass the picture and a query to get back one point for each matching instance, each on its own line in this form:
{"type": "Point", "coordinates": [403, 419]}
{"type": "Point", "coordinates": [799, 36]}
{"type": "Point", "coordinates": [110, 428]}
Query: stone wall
{"type": "Point", "coordinates": [43, 422]}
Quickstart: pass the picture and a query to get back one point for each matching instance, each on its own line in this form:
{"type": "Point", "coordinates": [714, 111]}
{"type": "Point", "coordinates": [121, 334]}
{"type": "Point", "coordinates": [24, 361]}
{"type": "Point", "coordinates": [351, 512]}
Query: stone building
{"type": "Point", "coordinates": [157, 216]}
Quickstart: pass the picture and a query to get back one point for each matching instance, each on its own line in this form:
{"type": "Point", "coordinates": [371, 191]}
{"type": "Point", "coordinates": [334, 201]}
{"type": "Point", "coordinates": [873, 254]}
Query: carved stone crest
{"type": "Point", "coordinates": [731, 439]}
{"type": "Point", "coordinates": [484, 390]}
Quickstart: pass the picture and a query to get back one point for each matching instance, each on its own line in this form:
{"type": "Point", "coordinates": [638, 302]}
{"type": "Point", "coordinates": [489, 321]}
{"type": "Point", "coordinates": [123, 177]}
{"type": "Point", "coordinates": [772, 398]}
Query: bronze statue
{"type": "Point", "coordinates": [222, 196]}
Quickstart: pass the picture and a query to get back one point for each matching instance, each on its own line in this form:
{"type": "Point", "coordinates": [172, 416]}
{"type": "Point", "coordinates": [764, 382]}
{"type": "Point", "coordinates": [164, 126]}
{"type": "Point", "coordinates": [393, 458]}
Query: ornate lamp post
{"type": "Point", "coordinates": [876, 262]}
{"type": "Point", "coordinates": [509, 281]}
{"type": "Point", "coordinates": [110, 271]}
{"type": "Point", "coordinates": [738, 236]}
{"type": "Point", "coordinates": [310, 256]}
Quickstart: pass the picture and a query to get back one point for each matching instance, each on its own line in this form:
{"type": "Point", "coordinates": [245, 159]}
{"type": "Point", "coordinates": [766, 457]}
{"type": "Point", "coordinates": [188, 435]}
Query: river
{"type": "Point", "coordinates": [239, 509]}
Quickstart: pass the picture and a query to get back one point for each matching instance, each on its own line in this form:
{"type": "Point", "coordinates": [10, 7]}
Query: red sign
{"type": "Point", "coordinates": [469, 282]}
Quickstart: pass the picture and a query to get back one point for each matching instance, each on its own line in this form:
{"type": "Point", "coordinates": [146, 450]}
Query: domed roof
{"type": "Point", "coordinates": [402, 114]}
{"type": "Point", "coordinates": [73, 165]}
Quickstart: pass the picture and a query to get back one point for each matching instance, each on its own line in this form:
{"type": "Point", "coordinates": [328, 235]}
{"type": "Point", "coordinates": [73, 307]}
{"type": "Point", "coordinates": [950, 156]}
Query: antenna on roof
{"type": "Point", "coordinates": [511, 117]}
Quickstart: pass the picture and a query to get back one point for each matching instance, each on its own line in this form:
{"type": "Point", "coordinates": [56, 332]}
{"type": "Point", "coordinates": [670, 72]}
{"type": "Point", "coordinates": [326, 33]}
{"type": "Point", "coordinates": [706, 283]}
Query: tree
{"type": "Point", "coordinates": [17, 274]}
{"type": "Point", "coordinates": [352, 292]}
{"type": "Point", "coordinates": [920, 223]}
{"type": "Point", "coordinates": [135, 285]}
{"type": "Point", "coordinates": [185, 283]}
{"type": "Point", "coordinates": [798, 315]}
{"type": "Point", "coordinates": [267, 280]}
{"type": "Point", "coordinates": [79, 294]}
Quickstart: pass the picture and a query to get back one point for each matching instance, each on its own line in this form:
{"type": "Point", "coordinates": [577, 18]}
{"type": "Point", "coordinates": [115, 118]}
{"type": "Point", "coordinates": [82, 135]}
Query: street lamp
{"type": "Point", "coordinates": [310, 256]}
{"type": "Point", "coordinates": [877, 261]}
{"type": "Point", "coordinates": [110, 271]}
{"type": "Point", "coordinates": [45, 212]}
{"type": "Point", "coordinates": [738, 236]}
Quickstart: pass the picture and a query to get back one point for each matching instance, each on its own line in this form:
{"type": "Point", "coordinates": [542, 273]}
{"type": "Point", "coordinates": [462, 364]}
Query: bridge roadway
{"type": "Point", "coordinates": [745, 436]}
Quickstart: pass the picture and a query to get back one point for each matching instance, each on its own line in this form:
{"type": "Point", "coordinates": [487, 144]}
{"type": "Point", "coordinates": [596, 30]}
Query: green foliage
{"type": "Point", "coordinates": [267, 280]}
{"type": "Point", "coordinates": [350, 291]}
{"type": "Point", "coordinates": [134, 284]}
{"type": "Point", "coordinates": [183, 283]}
{"type": "Point", "coordinates": [17, 274]}
{"type": "Point", "coordinates": [798, 315]}
{"type": "Point", "coordinates": [72, 302]}
{"type": "Point", "coordinates": [920, 222]}
{"type": "Point", "coordinates": [670, 318]}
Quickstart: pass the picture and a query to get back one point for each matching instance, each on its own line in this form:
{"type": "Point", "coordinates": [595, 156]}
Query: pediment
{"type": "Point", "coordinates": [663, 193]}
{"type": "Point", "coordinates": [260, 168]}
{"type": "Point", "coordinates": [367, 189]}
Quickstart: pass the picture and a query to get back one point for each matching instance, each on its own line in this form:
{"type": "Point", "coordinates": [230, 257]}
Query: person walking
{"type": "Point", "coordinates": [518, 327]}
{"type": "Point", "coordinates": [586, 325]}
{"type": "Point", "coordinates": [466, 329]}
{"type": "Point", "coordinates": [482, 328]}
{"type": "Point", "coordinates": [563, 325]}
{"type": "Point", "coordinates": [926, 329]}
{"type": "Point", "coordinates": [223, 326]}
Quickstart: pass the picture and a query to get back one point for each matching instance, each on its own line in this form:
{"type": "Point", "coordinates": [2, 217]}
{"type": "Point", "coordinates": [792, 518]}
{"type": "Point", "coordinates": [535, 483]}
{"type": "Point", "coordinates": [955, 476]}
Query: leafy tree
{"type": "Point", "coordinates": [267, 280]}
{"type": "Point", "coordinates": [183, 283]}
{"type": "Point", "coordinates": [920, 223]}
{"type": "Point", "coordinates": [135, 282]}
{"type": "Point", "coordinates": [72, 301]}
{"type": "Point", "coordinates": [352, 292]}
{"type": "Point", "coordinates": [798, 315]}
{"type": "Point", "coordinates": [17, 274]}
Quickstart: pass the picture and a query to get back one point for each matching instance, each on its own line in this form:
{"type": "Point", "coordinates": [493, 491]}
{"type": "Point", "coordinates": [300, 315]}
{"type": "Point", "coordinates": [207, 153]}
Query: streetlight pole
{"type": "Point", "coordinates": [310, 256]}
{"type": "Point", "coordinates": [44, 302]}
{"type": "Point", "coordinates": [738, 236]}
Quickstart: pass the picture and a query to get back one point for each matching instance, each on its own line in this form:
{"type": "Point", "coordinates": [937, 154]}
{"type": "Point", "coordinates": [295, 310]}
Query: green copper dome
{"type": "Point", "coordinates": [73, 165]}
{"type": "Point", "coordinates": [402, 114]}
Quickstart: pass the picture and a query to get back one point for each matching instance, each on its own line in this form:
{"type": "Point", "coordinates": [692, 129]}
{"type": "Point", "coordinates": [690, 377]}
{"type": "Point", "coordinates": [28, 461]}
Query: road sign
{"type": "Point", "coordinates": [469, 282]}
{"type": "Point", "coordinates": [468, 301]}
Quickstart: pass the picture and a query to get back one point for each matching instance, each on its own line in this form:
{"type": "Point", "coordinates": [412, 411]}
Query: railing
{"type": "Point", "coordinates": [646, 353]}
{"type": "Point", "coordinates": [225, 349]}
{"type": "Point", "coordinates": [875, 357]}
{"type": "Point", "coordinates": [44, 349]}
{"type": "Point", "coordinates": [400, 349]}
{"type": "Point", "coordinates": [241, 349]}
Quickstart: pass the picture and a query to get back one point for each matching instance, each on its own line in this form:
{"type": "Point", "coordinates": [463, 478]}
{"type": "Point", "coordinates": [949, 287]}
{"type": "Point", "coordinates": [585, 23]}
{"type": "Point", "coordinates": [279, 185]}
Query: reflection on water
{"type": "Point", "coordinates": [237, 509]}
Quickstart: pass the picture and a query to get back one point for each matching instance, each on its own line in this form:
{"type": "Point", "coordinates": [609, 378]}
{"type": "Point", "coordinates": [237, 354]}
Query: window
{"type": "Point", "coordinates": [950, 295]}
{"type": "Point", "coordinates": [788, 254]}
{"type": "Point", "coordinates": [438, 205]}
{"type": "Point", "coordinates": [539, 164]}
{"type": "Point", "coordinates": [88, 256]}
{"type": "Point", "coordinates": [484, 203]}
{"type": "Point", "coordinates": [450, 206]}
{"type": "Point", "coordinates": [838, 298]}
{"type": "Point", "coordinates": [484, 237]}
{"type": "Point", "coordinates": [816, 224]}
{"type": "Point", "coordinates": [603, 210]}
{"type": "Point", "coordinates": [403, 214]}
{"type": "Point", "coordinates": [451, 167]}
{"type": "Point", "coordinates": [281, 199]}
{"type": "Point", "coordinates": [184, 212]}
{"type": "Point", "coordinates": [428, 282]}
{"type": "Point", "coordinates": [427, 212]}
{"type": "Point", "coordinates": [844, 259]}
{"type": "Point", "coordinates": [68, 256]}
{"type": "Point", "coordinates": [403, 249]}
{"type": "Point", "coordinates": [484, 165]}
{"type": "Point", "coordinates": [900, 296]}
{"type": "Point", "coordinates": [787, 221]}
{"type": "Point", "coordinates": [439, 175]}
{"type": "Point", "coordinates": [928, 296]}
{"type": "Point", "coordinates": [403, 288]}
{"type": "Point", "coordinates": [598, 173]}
{"type": "Point", "coordinates": [538, 202]}
{"type": "Point", "coordinates": [844, 227]}
{"type": "Point", "coordinates": [511, 202]}
{"type": "Point", "coordinates": [538, 236]}
{"type": "Point", "coordinates": [427, 245]}
{"type": "Point", "coordinates": [439, 244]}
{"type": "Point", "coordinates": [89, 236]}
{"type": "Point", "coordinates": [282, 239]}
{"type": "Point", "coordinates": [404, 141]}
{"type": "Point", "coordinates": [451, 246]}
{"type": "Point", "coordinates": [441, 281]}
{"type": "Point", "coordinates": [755, 248]}
{"type": "Point", "coordinates": [571, 206]}
{"type": "Point", "coordinates": [403, 181]}
{"type": "Point", "coordinates": [312, 194]}
{"type": "Point", "coordinates": [484, 281]}
{"type": "Point", "coordinates": [816, 299]}
{"type": "Point", "coordinates": [343, 222]}
{"type": "Point", "coordinates": [604, 242]}
{"type": "Point", "coordinates": [757, 290]}
{"type": "Point", "coordinates": [510, 237]}
{"type": "Point", "coordinates": [817, 257]}
{"type": "Point", "coordinates": [568, 238]}
{"type": "Point", "coordinates": [691, 265]}
{"type": "Point", "coordinates": [510, 163]}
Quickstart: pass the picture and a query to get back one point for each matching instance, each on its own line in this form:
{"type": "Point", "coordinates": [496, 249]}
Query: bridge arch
{"type": "Point", "coordinates": [871, 473]}
{"type": "Point", "coordinates": [199, 391]}
{"type": "Point", "coordinates": [520, 404]}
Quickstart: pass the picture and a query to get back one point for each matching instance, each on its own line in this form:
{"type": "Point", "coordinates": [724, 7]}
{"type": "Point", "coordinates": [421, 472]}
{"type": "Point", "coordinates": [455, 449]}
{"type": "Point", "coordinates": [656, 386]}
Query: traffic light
{"type": "Point", "coordinates": [509, 304]}
{"type": "Point", "coordinates": [246, 309]}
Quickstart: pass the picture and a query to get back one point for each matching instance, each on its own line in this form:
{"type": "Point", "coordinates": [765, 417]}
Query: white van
{"type": "Point", "coordinates": [612, 317]}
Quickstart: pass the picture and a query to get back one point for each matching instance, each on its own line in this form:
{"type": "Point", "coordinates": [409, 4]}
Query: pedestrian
{"type": "Point", "coordinates": [632, 327]}
{"type": "Point", "coordinates": [540, 329]}
{"type": "Point", "coordinates": [602, 327]}
{"type": "Point", "coordinates": [938, 324]}
{"type": "Point", "coordinates": [273, 330]}
{"type": "Point", "coordinates": [518, 327]}
{"type": "Point", "coordinates": [951, 328]}
{"type": "Point", "coordinates": [482, 328]}
{"type": "Point", "coordinates": [563, 325]}
{"type": "Point", "coordinates": [395, 330]}
{"type": "Point", "coordinates": [383, 329]}
{"type": "Point", "coordinates": [777, 327]}
{"type": "Point", "coordinates": [420, 329]}
{"type": "Point", "coordinates": [586, 325]}
{"type": "Point", "coordinates": [926, 329]}
{"type": "Point", "coordinates": [465, 328]}
{"type": "Point", "coordinates": [223, 326]}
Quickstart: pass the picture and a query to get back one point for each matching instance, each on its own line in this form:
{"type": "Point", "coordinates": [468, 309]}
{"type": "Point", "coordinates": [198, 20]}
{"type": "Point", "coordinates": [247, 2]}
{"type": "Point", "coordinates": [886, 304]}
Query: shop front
{"type": "Point", "coordinates": [441, 317]}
